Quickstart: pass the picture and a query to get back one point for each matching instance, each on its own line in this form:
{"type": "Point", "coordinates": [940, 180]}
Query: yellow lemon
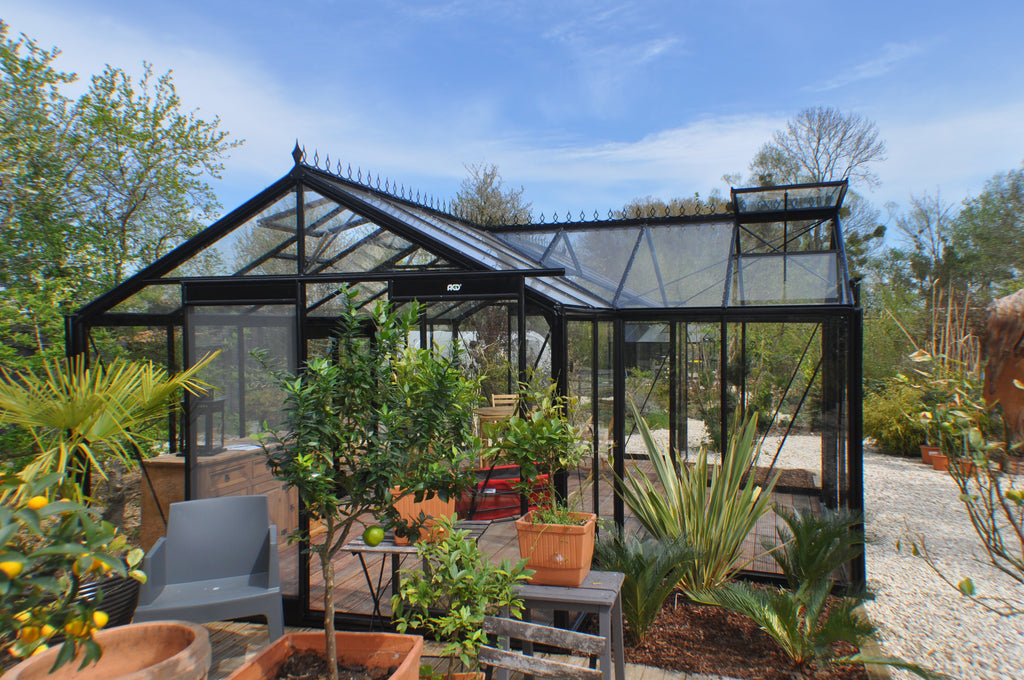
{"type": "Point", "coordinates": [76, 628]}
{"type": "Point", "coordinates": [47, 630]}
{"type": "Point", "coordinates": [23, 616]}
{"type": "Point", "coordinates": [29, 634]}
{"type": "Point", "coordinates": [100, 619]}
{"type": "Point", "coordinates": [40, 649]}
{"type": "Point", "coordinates": [37, 502]}
{"type": "Point", "coordinates": [12, 568]}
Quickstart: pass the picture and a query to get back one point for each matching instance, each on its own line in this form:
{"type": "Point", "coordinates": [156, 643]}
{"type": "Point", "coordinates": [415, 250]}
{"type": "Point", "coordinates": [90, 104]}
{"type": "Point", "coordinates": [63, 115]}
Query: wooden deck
{"type": "Point", "coordinates": [234, 643]}
{"type": "Point", "coordinates": [352, 594]}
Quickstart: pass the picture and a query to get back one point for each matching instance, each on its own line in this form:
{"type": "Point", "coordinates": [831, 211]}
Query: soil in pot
{"type": "Point", "coordinates": [714, 641]}
{"type": "Point", "coordinates": [313, 666]}
{"type": "Point", "coordinates": [365, 654]}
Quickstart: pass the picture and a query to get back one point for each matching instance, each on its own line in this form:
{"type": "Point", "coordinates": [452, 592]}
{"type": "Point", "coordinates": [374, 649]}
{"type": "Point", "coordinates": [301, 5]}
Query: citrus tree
{"type": "Point", "coordinates": [48, 546]}
{"type": "Point", "coordinates": [374, 422]}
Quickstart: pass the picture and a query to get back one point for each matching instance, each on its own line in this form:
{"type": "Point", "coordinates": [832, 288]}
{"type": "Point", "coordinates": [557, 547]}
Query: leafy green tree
{"type": "Point", "coordinates": [90, 189]}
{"type": "Point", "coordinates": [374, 422]}
{"type": "Point", "coordinates": [988, 236]}
{"type": "Point", "coordinates": [485, 200]}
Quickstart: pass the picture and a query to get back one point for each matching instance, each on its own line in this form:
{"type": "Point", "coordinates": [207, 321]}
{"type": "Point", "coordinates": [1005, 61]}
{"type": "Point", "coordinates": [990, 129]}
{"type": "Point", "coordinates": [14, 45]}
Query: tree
{"type": "Point", "coordinates": [821, 144]}
{"type": "Point", "coordinates": [988, 235]}
{"type": "Point", "coordinates": [484, 200]}
{"type": "Point", "coordinates": [90, 189]}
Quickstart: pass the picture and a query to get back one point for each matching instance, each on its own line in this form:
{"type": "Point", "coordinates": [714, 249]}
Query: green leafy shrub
{"type": "Point", "coordinates": [891, 418]}
{"type": "Point", "coordinates": [652, 569]}
{"type": "Point", "coordinates": [454, 590]}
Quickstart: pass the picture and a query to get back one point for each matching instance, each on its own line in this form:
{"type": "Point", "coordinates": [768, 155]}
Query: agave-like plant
{"type": "Point", "coordinates": [82, 416]}
{"type": "Point", "coordinates": [714, 517]}
{"type": "Point", "coordinates": [652, 569]}
{"type": "Point", "coordinates": [799, 618]}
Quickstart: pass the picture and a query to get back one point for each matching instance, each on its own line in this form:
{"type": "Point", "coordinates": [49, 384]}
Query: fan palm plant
{"type": "Point", "coordinates": [81, 416]}
{"type": "Point", "coordinates": [714, 517]}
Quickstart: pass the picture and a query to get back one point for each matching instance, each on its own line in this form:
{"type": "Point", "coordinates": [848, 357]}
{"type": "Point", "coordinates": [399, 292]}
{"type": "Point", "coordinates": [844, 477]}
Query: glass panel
{"type": "Point", "coordinates": [794, 198]}
{"type": "Point", "coordinates": [778, 237]}
{"type": "Point", "coordinates": [702, 358]}
{"type": "Point", "coordinates": [264, 244]}
{"type": "Point", "coordinates": [581, 373]}
{"type": "Point", "coordinates": [693, 261]}
{"type": "Point", "coordinates": [324, 299]}
{"type": "Point", "coordinates": [225, 458]}
{"type": "Point", "coordinates": [155, 299]}
{"type": "Point", "coordinates": [806, 278]}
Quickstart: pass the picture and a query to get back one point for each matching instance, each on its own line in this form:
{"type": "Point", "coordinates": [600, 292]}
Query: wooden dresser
{"type": "Point", "coordinates": [237, 472]}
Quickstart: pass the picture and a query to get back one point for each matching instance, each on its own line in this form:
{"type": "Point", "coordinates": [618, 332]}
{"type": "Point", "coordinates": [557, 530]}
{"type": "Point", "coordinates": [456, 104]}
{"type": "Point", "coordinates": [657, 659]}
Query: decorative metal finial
{"type": "Point", "coordinates": [297, 153]}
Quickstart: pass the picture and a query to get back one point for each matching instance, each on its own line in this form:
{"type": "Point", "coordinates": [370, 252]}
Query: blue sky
{"type": "Point", "coordinates": [586, 104]}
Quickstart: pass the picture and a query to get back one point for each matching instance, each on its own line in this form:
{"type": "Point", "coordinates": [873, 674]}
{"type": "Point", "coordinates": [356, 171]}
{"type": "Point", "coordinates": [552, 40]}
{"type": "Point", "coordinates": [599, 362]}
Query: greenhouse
{"type": "Point", "coordinates": [694, 318]}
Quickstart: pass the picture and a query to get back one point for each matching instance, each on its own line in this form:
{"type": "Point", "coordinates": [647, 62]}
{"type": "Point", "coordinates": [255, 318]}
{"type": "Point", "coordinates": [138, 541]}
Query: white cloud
{"type": "Point", "coordinates": [891, 55]}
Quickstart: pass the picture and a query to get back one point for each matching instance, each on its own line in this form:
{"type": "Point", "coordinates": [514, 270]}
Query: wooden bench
{"type": "Point", "coordinates": [600, 593]}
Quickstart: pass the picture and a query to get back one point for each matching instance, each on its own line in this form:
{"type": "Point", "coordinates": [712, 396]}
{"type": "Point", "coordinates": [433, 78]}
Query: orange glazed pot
{"type": "Point", "coordinates": [560, 554]}
{"type": "Point", "coordinates": [154, 650]}
{"type": "Point", "coordinates": [373, 650]}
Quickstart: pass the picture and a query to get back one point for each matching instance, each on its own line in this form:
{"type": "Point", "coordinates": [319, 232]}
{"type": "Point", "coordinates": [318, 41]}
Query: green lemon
{"type": "Point", "coordinates": [373, 535]}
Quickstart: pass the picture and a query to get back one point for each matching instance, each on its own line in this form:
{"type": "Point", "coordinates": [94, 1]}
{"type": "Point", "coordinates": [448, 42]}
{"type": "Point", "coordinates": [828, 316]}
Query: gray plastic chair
{"type": "Point", "coordinates": [217, 561]}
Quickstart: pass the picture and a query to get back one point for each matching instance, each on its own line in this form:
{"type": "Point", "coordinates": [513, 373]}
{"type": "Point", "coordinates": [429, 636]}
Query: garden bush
{"type": "Point", "coordinates": [890, 418]}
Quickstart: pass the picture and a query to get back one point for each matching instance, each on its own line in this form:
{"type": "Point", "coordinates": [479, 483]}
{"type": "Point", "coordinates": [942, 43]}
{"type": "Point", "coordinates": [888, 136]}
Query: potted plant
{"type": "Point", "coordinates": [349, 447]}
{"type": "Point", "coordinates": [50, 547]}
{"type": "Point", "coordinates": [453, 591]}
{"type": "Point", "coordinates": [557, 542]}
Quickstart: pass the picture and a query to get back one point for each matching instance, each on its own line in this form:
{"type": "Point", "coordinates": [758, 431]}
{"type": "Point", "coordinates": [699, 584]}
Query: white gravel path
{"type": "Point", "coordinates": [919, 617]}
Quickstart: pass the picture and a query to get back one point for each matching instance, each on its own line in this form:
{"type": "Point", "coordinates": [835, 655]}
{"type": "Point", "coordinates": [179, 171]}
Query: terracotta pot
{"type": "Point", "coordinates": [940, 462]}
{"type": "Point", "coordinates": [408, 509]}
{"type": "Point", "coordinates": [964, 467]}
{"type": "Point", "coordinates": [560, 554]}
{"type": "Point", "coordinates": [374, 650]}
{"type": "Point", "coordinates": [927, 451]}
{"type": "Point", "coordinates": [154, 650]}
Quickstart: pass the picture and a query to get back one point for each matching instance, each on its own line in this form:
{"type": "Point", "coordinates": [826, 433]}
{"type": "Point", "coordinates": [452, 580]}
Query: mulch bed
{"type": "Point", "coordinates": [712, 640]}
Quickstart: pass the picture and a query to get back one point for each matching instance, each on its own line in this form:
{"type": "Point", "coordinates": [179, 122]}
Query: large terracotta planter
{"type": "Point", "coordinates": [559, 554]}
{"type": "Point", "coordinates": [940, 462]}
{"type": "Point", "coordinates": [155, 650]}
{"type": "Point", "coordinates": [374, 650]}
{"type": "Point", "coordinates": [409, 509]}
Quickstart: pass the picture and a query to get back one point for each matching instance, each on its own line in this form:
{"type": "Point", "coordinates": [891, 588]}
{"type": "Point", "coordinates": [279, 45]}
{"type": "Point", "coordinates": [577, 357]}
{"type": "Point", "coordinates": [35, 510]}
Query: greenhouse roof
{"type": "Point", "coordinates": [782, 246]}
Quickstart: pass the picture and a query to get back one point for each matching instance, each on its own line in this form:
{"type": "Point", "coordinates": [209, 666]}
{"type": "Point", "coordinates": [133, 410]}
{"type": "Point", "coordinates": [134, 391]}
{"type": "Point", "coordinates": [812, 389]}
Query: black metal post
{"type": "Point", "coordinates": [619, 416]}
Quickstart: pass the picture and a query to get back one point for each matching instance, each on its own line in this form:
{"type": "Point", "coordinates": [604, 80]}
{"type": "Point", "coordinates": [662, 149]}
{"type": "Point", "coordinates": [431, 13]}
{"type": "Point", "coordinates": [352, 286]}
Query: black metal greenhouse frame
{"type": "Point", "coordinates": [436, 257]}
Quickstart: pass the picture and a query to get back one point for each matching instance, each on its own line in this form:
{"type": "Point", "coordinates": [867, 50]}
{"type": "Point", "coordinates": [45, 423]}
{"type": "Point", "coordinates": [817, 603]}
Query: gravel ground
{"type": "Point", "coordinates": [920, 618]}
